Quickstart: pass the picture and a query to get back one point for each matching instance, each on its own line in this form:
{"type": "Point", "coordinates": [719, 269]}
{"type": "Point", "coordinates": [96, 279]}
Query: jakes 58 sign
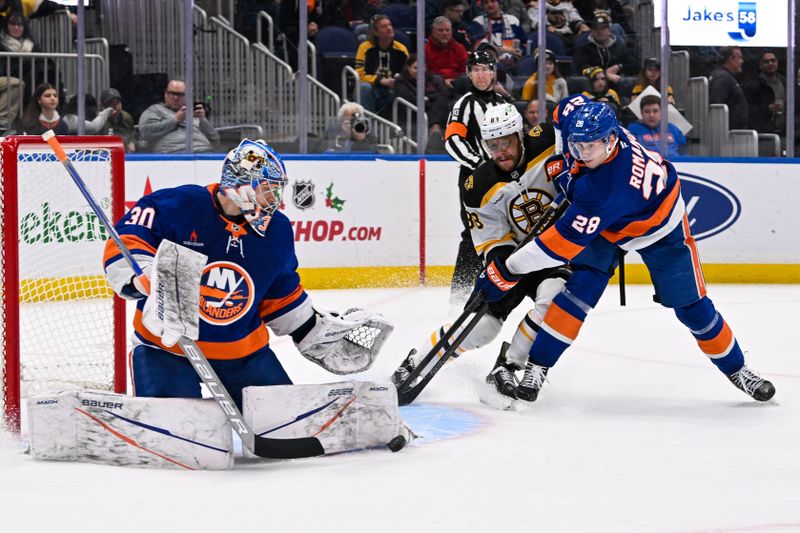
{"type": "Point", "coordinates": [726, 22]}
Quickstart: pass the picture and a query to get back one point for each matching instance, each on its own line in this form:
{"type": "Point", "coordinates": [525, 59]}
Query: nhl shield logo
{"type": "Point", "coordinates": [303, 194]}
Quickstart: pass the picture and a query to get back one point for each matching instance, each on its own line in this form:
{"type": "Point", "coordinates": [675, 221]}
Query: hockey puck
{"type": "Point", "coordinates": [397, 443]}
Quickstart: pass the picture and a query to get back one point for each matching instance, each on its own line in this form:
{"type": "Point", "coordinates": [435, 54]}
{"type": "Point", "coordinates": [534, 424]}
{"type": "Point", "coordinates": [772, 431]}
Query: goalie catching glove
{"type": "Point", "coordinates": [346, 343]}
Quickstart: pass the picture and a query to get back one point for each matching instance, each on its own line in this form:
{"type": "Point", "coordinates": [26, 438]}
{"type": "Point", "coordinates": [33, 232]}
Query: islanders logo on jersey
{"type": "Point", "coordinates": [527, 208]}
{"type": "Point", "coordinates": [226, 293]}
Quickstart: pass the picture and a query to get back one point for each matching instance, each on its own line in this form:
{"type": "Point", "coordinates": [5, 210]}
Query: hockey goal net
{"type": "Point", "coordinates": [62, 326]}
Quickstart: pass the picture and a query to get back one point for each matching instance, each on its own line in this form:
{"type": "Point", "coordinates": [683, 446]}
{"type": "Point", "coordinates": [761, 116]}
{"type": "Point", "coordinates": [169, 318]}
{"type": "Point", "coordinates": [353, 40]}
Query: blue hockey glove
{"type": "Point", "coordinates": [496, 280]}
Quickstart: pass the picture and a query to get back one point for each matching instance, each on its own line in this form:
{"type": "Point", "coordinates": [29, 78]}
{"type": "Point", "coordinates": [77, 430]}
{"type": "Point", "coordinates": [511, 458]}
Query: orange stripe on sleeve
{"type": "Point", "coordinates": [640, 227]}
{"type": "Point", "coordinates": [562, 322]}
{"type": "Point", "coordinates": [556, 242]}
{"type": "Point", "coordinates": [267, 307]}
{"type": "Point", "coordinates": [455, 128]}
{"type": "Point", "coordinates": [133, 243]}
{"type": "Point", "coordinates": [256, 340]}
{"type": "Point", "coordinates": [720, 344]}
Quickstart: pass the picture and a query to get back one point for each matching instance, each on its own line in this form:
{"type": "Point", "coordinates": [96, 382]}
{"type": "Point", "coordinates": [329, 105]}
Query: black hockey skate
{"type": "Point", "coordinates": [503, 374]}
{"type": "Point", "coordinates": [752, 384]}
{"type": "Point", "coordinates": [405, 369]}
{"type": "Point", "coordinates": [532, 382]}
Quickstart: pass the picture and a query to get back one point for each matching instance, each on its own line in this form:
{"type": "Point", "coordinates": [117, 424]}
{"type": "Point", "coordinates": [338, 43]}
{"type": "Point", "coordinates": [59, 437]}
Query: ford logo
{"type": "Point", "coordinates": [711, 207]}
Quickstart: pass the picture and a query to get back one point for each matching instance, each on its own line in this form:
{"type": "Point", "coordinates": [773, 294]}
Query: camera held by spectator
{"type": "Point", "coordinates": [359, 124]}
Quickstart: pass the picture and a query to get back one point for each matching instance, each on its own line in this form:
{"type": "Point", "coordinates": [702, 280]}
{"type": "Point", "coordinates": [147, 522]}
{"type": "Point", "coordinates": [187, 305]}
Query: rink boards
{"type": "Point", "coordinates": [367, 221]}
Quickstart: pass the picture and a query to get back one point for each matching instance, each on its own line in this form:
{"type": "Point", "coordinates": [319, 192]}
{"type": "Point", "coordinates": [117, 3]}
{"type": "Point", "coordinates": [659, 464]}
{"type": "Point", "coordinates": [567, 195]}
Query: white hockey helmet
{"type": "Point", "coordinates": [501, 120]}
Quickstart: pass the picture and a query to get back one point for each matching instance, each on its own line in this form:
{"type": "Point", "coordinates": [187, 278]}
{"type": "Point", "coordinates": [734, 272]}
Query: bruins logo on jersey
{"type": "Point", "coordinates": [528, 207]}
{"type": "Point", "coordinates": [469, 182]}
{"type": "Point", "coordinates": [535, 131]}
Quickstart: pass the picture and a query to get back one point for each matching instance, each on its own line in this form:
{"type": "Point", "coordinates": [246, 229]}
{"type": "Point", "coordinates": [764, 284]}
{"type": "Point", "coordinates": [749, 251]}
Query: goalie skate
{"type": "Point", "coordinates": [752, 384]}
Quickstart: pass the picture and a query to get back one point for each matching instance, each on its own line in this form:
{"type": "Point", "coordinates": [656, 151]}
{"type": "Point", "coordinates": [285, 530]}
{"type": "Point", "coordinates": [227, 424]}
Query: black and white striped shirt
{"type": "Point", "coordinates": [463, 133]}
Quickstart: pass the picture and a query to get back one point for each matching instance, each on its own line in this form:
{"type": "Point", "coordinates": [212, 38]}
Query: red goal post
{"type": "Point", "coordinates": [62, 325]}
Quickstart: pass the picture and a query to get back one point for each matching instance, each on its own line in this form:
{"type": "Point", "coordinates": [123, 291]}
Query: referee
{"type": "Point", "coordinates": [463, 143]}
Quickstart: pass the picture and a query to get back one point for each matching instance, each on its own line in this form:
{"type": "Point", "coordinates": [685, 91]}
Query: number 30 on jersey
{"type": "Point", "coordinates": [143, 217]}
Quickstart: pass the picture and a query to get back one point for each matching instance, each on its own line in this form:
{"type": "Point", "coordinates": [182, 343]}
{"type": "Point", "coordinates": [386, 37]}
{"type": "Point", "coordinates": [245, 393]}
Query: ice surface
{"type": "Point", "coordinates": [635, 431]}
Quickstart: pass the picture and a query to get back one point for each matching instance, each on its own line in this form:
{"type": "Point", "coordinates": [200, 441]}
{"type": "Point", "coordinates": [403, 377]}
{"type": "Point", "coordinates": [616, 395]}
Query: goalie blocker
{"type": "Point", "coordinates": [191, 434]}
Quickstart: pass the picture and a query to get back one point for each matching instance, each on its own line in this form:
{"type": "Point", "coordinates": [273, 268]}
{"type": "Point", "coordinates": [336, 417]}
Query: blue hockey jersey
{"type": "Point", "coordinates": [248, 281]}
{"type": "Point", "coordinates": [632, 200]}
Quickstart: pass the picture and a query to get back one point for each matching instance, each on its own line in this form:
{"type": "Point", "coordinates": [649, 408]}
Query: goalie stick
{"type": "Point", "coordinates": [408, 391]}
{"type": "Point", "coordinates": [260, 446]}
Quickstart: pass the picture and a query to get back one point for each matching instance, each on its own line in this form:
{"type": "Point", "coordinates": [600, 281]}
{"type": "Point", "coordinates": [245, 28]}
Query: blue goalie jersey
{"type": "Point", "coordinates": [248, 281]}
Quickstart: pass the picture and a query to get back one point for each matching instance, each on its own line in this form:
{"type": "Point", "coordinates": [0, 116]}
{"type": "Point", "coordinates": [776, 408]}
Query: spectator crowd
{"type": "Point", "coordinates": [590, 50]}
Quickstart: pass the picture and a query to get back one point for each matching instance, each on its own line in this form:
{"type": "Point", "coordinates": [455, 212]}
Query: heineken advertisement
{"type": "Point", "coordinates": [48, 225]}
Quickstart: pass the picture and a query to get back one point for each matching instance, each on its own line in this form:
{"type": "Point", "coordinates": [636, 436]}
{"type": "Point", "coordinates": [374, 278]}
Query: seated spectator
{"type": "Point", "coordinates": [379, 60]}
{"type": "Point", "coordinates": [350, 132]}
{"type": "Point", "coordinates": [163, 125]}
{"type": "Point", "coordinates": [723, 88]}
{"type": "Point", "coordinates": [613, 10]}
{"type": "Point", "coordinates": [443, 55]}
{"type": "Point", "coordinates": [436, 105]}
{"type": "Point", "coordinates": [765, 95]}
{"type": "Point", "coordinates": [602, 49]}
{"type": "Point", "coordinates": [562, 20]}
{"type": "Point", "coordinates": [650, 75]}
{"type": "Point", "coordinates": [41, 114]}
{"type": "Point", "coordinates": [501, 30]}
{"type": "Point", "coordinates": [120, 122]}
{"type": "Point", "coordinates": [531, 114]}
{"type": "Point", "coordinates": [556, 85]}
{"type": "Point", "coordinates": [600, 91]}
{"type": "Point", "coordinates": [93, 122]}
{"type": "Point", "coordinates": [647, 131]}
{"type": "Point", "coordinates": [14, 37]}
{"type": "Point", "coordinates": [517, 8]}
{"type": "Point", "coordinates": [454, 11]}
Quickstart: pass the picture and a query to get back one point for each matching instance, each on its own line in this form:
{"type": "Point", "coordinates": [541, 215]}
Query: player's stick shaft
{"type": "Point", "coordinates": [406, 392]}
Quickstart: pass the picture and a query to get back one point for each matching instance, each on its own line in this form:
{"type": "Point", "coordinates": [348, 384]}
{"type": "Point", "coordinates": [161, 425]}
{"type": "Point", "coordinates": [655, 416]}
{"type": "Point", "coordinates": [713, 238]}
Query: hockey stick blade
{"type": "Point", "coordinates": [261, 446]}
{"type": "Point", "coordinates": [406, 392]}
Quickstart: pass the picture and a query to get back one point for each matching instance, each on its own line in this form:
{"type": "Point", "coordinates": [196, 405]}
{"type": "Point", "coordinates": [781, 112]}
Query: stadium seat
{"type": "Point", "coordinates": [335, 40]}
{"type": "Point", "coordinates": [769, 145]}
{"type": "Point", "coordinates": [402, 37]}
{"type": "Point", "coordinates": [336, 48]}
{"type": "Point", "coordinates": [742, 143]}
{"type": "Point", "coordinates": [578, 84]}
{"type": "Point", "coordinates": [403, 16]}
{"type": "Point", "coordinates": [527, 66]}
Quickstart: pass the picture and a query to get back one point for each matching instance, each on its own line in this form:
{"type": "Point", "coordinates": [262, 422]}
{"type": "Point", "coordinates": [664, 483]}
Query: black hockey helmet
{"type": "Point", "coordinates": [481, 57]}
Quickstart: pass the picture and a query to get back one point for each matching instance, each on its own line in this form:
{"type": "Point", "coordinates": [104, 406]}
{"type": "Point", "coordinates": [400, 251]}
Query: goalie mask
{"type": "Point", "coordinates": [253, 177]}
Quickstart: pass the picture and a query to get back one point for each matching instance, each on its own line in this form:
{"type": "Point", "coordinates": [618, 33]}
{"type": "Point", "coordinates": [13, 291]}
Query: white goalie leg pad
{"type": "Point", "coordinates": [106, 428]}
{"type": "Point", "coordinates": [172, 309]}
{"type": "Point", "coordinates": [346, 343]}
{"type": "Point", "coordinates": [526, 331]}
{"type": "Point", "coordinates": [351, 415]}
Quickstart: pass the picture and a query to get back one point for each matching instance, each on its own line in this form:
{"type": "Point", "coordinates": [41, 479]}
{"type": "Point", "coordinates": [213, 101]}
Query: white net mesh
{"type": "Point", "coordinates": [66, 317]}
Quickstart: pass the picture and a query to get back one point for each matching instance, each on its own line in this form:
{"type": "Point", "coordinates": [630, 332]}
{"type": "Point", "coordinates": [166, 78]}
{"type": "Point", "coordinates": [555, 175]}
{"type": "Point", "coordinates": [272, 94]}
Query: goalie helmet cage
{"type": "Point", "coordinates": [62, 325]}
